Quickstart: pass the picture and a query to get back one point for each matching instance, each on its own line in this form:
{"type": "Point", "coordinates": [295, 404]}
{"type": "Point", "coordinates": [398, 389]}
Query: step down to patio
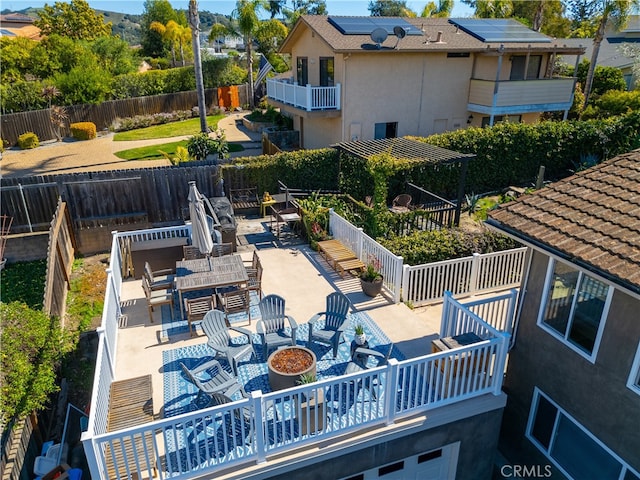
{"type": "Point", "coordinates": [131, 405]}
{"type": "Point", "coordinates": [335, 252]}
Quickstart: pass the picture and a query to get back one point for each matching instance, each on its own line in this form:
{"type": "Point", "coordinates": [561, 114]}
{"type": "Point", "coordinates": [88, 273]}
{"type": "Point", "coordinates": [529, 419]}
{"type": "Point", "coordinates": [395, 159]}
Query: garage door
{"type": "Point", "coordinates": [439, 464]}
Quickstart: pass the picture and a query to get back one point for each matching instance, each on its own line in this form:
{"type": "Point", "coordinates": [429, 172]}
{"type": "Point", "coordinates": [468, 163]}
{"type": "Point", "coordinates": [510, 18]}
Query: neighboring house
{"type": "Point", "coordinates": [610, 54]}
{"type": "Point", "coordinates": [18, 25]}
{"type": "Point", "coordinates": [573, 377]}
{"type": "Point", "coordinates": [365, 78]}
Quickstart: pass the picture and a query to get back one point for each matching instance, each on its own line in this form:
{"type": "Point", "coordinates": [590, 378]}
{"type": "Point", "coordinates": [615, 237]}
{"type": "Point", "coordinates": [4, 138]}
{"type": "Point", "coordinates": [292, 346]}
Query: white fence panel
{"type": "Point", "coordinates": [500, 269]}
{"type": "Point", "coordinates": [368, 251]}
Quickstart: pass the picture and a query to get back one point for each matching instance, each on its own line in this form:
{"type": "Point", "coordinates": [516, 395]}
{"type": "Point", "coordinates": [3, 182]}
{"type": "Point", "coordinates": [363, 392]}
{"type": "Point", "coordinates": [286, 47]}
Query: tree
{"type": "Point", "coordinates": [442, 10]}
{"type": "Point", "coordinates": [114, 55]}
{"type": "Point", "coordinates": [304, 7]}
{"type": "Point", "coordinates": [75, 20]}
{"type": "Point", "coordinates": [85, 83]}
{"type": "Point", "coordinates": [175, 34]}
{"type": "Point", "coordinates": [159, 11]}
{"type": "Point", "coordinates": [194, 22]}
{"type": "Point", "coordinates": [390, 8]}
{"type": "Point", "coordinates": [616, 12]}
{"type": "Point", "coordinates": [246, 14]}
{"type": "Point", "coordinates": [494, 9]}
{"type": "Point", "coordinates": [269, 35]}
{"type": "Point", "coordinates": [632, 51]}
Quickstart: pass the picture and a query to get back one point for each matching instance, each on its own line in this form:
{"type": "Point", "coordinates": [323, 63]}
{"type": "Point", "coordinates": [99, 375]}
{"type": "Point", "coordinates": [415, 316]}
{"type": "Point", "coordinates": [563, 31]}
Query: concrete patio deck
{"type": "Point", "coordinates": [292, 270]}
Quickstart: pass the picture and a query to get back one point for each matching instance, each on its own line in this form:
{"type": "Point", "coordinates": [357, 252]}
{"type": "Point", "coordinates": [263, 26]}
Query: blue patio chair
{"type": "Point", "coordinates": [360, 362]}
{"type": "Point", "coordinates": [214, 325]}
{"type": "Point", "coordinates": [335, 321]}
{"type": "Point", "coordinates": [241, 424]}
{"type": "Point", "coordinates": [218, 381]}
{"type": "Point", "coordinates": [272, 326]}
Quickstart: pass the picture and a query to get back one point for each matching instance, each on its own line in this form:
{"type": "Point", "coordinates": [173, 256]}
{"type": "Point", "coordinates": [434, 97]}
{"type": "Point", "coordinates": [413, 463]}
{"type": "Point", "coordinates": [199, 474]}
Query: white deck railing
{"type": "Point", "coordinates": [368, 250]}
{"type": "Point", "coordinates": [305, 97]}
{"type": "Point", "coordinates": [250, 430]}
{"type": "Point", "coordinates": [423, 284]}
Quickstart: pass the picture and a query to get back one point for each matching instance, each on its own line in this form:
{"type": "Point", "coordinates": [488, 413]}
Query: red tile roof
{"type": "Point", "coordinates": [591, 218]}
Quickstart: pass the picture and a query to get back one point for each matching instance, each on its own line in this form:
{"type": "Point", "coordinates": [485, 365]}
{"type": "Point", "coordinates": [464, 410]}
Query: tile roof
{"type": "Point", "coordinates": [591, 218]}
{"type": "Point", "coordinates": [452, 39]}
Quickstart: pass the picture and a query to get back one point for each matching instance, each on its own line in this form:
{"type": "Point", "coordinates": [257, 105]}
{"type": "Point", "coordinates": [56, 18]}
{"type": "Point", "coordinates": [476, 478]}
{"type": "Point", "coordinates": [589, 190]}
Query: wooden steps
{"type": "Point", "coordinates": [341, 258]}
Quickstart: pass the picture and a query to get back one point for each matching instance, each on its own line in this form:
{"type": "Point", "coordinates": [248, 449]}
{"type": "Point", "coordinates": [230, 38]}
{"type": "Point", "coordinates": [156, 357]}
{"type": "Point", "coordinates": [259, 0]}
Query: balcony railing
{"type": "Point", "coordinates": [247, 431]}
{"type": "Point", "coordinates": [515, 96]}
{"type": "Point", "coordinates": [305, 97]}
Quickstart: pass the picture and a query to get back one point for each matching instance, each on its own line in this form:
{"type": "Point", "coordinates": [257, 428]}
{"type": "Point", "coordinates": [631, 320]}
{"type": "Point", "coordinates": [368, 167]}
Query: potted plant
{"type": "Point", "coordinates": [360, 337]}
{"type": "Point", "coordinates": [371, 278]}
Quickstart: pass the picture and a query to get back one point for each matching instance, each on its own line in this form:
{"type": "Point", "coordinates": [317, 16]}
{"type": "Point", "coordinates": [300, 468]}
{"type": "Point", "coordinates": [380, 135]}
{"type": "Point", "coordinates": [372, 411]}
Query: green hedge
{"type": "Point", "coordinates": [421, 247]}
{"type": "Point", "coordinates": [305, 169]}
{"type": "Point", "coordinates": [512, 153]}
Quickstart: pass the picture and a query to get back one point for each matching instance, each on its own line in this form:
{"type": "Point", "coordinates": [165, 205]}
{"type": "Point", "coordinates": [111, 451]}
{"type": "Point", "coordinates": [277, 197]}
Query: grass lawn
{"type": "Point", "coordinates": [173, 129]}
{"type": "Point", "coordinates": [152, 152]}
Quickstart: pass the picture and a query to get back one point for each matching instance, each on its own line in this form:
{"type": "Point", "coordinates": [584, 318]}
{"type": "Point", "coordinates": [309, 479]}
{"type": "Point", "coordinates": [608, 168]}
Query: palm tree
{"type": "Point", "coordinates": [194, 22]}
{"type": "Point", "coordinates": [616, 12]}
{"type": "Point", "coordinates": [246, 14]}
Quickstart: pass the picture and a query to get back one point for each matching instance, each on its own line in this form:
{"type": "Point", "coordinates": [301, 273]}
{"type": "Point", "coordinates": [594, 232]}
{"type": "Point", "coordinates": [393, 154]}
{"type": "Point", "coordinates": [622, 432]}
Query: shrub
{"type": "Point", "coordinates": [612, 103]}
{"type": "Point", "coordinates": [421, 247]}
{"type": "Point", "coordinates": [83, 130]}
{"type": "Point", "coordinates": [141, 121]}
{"type": "Point", "coordinates": [200, 145]}
{"type": "Point", "coordinates": [32, 348]}
{"type": "Point", "coordinates": [28, 140]}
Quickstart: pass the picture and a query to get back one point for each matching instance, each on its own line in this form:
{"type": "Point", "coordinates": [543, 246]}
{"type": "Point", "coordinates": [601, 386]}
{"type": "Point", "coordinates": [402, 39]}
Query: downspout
{"type": "Point", "coordinates": [342, 94]}
{"type": "Point", "coordinates": [495, 85]}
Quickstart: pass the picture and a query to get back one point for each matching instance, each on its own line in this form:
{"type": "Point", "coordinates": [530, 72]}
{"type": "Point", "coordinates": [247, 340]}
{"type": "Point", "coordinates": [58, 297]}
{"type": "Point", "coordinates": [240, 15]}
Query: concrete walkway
{"type": "Point", "coordinates": [99, 154]}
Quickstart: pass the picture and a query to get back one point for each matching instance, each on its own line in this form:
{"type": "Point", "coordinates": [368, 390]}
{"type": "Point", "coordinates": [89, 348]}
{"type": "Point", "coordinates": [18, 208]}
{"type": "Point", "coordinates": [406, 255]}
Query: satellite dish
{"type": "Point", "coordinates": [378, 36]}
{"type": "Point", "coordinates": [399, 32]}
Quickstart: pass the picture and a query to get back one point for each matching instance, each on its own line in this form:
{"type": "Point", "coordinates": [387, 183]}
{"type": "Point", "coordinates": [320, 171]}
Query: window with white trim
{"type": "Point", "coordinates": [575, 307]}
{"type": "Point", "coordinates": [570, 446]}
{"type": "Point", "coordinates": [634, 377]}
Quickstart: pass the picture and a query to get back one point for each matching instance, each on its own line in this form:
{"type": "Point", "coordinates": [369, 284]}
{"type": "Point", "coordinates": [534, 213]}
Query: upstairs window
{"type": "Point", "coordinates": [327, 73]}
{"type": "Point", "coordinates": [519, 63]}
{"type": "Point", "coordinates": [634, 378]}
{"type": "Point", "coordinates": [302, 70]}
{"type": "Point", "coordinates": [575, 308]}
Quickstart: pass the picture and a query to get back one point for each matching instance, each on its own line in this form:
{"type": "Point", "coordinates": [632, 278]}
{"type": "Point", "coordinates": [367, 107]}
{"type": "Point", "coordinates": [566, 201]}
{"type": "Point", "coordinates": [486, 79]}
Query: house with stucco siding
{"type": "Point", "coordinates": [365, 78]}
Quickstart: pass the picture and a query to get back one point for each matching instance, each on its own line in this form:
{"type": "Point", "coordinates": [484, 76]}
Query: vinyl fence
{"type": "Point", "coordinates": [424, 284]}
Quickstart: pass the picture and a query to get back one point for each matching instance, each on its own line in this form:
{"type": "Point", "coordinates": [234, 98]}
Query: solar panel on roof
{"type": "Point", "coordinates": [366, 25]}
{"type": "Point", "coordinates": [502, 30]}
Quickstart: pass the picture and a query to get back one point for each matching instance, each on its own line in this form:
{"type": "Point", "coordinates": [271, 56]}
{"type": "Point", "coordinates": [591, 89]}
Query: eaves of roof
{"type": "Point", "coordinates": [591, 219]}
{"type": "Point", "coordinates": [452, 39]}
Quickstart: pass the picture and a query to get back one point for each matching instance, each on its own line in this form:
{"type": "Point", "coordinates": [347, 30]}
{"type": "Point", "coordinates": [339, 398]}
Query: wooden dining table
{"type": "Point", "coordinates": [209, 273]}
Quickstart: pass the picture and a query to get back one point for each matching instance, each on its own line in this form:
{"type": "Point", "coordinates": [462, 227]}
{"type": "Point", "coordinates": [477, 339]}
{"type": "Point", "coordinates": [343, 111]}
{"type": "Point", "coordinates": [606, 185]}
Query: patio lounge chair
{"type": "Point", "coordinates": [243, 423]}
{"type": "Point", "coordinates": [335, 319]}
{"type": "Point", "coordinates": [271, 327]}
{"type": "Point", "coordinates": [214, 325]}
{"type": "Point", "coordinates": [218, 381]}
{"type": "Point", "coordinates": [156, 298]}
{"type": "Point", "coordinates": [197, 308]}
{"type": "Point", "coordinates": [360, 361]}
{"type": "Point", "coordinates": [159, 279]}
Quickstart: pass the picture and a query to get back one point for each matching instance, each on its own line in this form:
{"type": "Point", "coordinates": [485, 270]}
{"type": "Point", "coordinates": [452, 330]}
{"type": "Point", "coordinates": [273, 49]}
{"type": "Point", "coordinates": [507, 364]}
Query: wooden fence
{"type": "Point", "coordinates": [110, 198]}
{"type": "Point", "coordinates": [103, 114]}
{"type": "Point", "coordinates": [60, 256]}
{"type": "Point", "coordinates": [20, 448]}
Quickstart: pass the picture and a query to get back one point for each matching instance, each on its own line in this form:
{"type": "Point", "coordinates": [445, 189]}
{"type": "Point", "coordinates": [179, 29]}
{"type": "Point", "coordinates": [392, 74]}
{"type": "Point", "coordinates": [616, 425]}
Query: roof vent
{"type": "Point", "coordinates": [439, 38]}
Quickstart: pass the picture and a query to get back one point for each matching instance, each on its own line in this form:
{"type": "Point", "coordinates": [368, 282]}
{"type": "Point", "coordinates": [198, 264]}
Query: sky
{"type": "Point", "coordinates": [224, 7]}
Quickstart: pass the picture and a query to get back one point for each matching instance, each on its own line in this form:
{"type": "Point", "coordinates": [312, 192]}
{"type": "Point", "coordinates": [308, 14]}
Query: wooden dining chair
{"type": "Point", "coordinates": [236, 301]}
{"type": "Point", "coordinates": [189, 252]}
{"type": "Point", "coordinates": [221, 249]}
{"type": "Point", "coordinates": [156, 298]}
{"type": "Point", "coordinates": [197, 308]}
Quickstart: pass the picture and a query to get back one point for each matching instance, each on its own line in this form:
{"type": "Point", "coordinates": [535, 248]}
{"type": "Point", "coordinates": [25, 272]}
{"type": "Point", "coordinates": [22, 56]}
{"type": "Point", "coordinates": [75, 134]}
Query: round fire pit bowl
{"type": "Point", "coordinates": [287, 364]}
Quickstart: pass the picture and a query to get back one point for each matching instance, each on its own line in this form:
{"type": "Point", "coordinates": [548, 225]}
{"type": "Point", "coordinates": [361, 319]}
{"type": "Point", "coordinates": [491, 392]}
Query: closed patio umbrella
{"type": "Point", "coordinates": [200, 233]}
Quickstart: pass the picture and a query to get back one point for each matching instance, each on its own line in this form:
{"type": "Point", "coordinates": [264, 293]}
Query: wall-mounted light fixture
{"type": "Point", "coordinates": [469, 119]}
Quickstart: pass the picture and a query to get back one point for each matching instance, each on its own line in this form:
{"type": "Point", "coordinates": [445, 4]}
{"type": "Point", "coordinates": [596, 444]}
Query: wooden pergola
{"type": "Point", "coordinates": [412, 150]}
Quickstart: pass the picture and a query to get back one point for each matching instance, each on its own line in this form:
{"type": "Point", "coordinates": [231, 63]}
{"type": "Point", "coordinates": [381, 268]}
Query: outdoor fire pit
{"type": "Point", "coordinates": [286, 365]}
